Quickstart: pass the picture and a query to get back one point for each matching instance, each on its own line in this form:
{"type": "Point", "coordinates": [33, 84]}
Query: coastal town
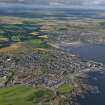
{"type": "Point", "coordinates": [32, 53]}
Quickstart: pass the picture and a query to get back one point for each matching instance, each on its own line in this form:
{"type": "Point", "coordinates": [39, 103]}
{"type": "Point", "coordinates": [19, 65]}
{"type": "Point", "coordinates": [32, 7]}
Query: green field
{"type": "Point", "coordinates": [24, 95]}
{"type": "Point", "coordinates": [36, 43]}
{"type": "Point", "coordinates": [65, 89]}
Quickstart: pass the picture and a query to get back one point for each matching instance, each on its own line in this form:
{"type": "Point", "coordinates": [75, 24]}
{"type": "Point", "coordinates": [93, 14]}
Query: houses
{"type": "Point", "coordinates": [50, 68]}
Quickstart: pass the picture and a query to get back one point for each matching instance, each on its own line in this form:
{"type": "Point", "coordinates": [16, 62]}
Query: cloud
{"type": "Point", "coordinates": [59, 2]}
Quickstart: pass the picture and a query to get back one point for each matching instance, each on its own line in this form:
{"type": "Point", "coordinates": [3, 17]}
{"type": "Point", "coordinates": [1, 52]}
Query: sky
{"type": "Point", "coordinates": [61, 3]}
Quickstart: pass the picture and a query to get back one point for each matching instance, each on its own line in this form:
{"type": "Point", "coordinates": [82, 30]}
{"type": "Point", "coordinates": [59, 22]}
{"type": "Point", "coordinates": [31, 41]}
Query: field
{"type": "Point", "coordinates": [26, 31]}
{"type": "Point", "coordinates": [24, 95]}
{"type": "Point", "coordinates": [65, 89]}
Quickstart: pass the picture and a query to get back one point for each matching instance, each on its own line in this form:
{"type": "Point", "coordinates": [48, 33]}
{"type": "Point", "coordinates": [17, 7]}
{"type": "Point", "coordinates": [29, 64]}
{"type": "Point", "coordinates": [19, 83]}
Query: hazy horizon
{"type": "Point", "coordinates": [85, 4]}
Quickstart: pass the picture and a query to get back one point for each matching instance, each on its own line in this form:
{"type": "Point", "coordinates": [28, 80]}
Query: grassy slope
{"type": "Point", "coordinates": [65, 89]}
{"type": "Point", "coordinates": [23, 95]}
{"type": "Point", "coordinates": [38, 43]}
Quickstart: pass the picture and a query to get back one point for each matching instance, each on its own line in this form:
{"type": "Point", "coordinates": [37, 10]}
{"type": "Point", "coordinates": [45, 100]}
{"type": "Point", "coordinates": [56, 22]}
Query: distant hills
{"type": "Point", "coordinates": [41, 12]}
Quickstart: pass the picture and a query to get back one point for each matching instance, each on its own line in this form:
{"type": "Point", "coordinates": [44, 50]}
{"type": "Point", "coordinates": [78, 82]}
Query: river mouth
{"type": "Point", "coordinates": [87, 51]}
